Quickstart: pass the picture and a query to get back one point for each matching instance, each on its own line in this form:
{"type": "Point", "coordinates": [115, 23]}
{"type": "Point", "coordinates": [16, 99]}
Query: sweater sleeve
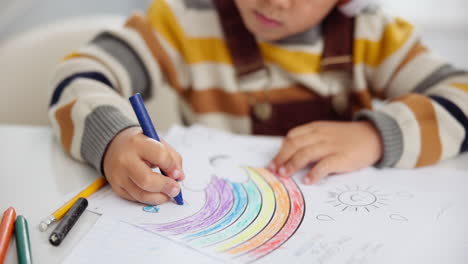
{"type": "Point", "coordinates": [91, 86]}
{"type": "Point", "coordinates": [424, 116]}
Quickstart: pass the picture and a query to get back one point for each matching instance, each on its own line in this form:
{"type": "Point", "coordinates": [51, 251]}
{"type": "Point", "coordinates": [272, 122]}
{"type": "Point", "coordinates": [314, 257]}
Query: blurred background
{"type": "Point", "coordinates": [20, 15]}
{"type": "Point", "coordinates": [35, 34]}
{"type": "Point", "coordinates": [443, 25]}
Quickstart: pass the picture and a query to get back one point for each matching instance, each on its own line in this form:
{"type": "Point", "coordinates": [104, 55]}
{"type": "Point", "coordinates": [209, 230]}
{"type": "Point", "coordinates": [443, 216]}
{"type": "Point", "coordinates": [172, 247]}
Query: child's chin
{"type": "Point", "coordinates": [268, 37]}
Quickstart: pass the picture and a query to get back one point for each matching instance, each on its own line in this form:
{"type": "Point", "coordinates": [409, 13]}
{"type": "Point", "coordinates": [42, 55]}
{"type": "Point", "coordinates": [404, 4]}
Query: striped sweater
{"type": "Point", "coordinates": [180, 43]}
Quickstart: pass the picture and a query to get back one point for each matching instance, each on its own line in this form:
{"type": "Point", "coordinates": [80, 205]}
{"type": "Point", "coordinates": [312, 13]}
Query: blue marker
{"type": "Point", "coordinates": [148, 129]}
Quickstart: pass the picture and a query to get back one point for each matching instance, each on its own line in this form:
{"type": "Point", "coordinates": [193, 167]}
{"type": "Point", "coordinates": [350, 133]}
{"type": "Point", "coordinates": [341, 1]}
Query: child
{"type": "Point", "coordinates": [304, 69]}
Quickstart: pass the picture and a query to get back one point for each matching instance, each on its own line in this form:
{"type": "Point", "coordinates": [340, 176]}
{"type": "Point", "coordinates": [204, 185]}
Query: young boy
{"type": "Point", "coordinates": [273, 67]}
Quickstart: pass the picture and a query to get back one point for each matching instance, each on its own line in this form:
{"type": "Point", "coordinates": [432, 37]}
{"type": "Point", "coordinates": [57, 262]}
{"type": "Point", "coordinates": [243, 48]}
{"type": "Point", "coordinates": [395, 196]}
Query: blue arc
{"type": "Point", "coordinates": [240, 203]}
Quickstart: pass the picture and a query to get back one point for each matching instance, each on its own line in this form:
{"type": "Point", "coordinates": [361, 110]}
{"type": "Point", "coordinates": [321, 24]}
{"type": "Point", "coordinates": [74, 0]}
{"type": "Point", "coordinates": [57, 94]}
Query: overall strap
{"type": "Point", "coordinates": [241, 43]}
{"type": "Point", "coordinates": [338, 37]}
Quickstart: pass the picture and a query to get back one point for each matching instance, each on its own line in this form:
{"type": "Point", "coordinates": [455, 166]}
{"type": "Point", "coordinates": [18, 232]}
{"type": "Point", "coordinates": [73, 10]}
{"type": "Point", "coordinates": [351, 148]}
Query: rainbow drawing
{"type": "Point", "coordinates": [241, 220]}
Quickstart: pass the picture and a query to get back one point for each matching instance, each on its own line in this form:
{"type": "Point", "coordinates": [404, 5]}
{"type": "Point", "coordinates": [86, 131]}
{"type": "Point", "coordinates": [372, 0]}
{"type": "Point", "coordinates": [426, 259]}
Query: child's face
{"type": "Point", "coordinates": [276, 19]}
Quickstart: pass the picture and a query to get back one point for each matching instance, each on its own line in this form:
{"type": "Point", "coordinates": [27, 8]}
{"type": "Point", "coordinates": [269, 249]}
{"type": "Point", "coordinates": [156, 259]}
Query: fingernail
{"type": "Point", "coordinates": [271, 167]}
{"type": "Point", "coordinates": [174, 192]}
{"type": "Point", "coordinates": [182, 175]}
{"type": "Point", "coordinates": [282, 172]}
{"type": "Point", "coordinates": [177, 174]}
{"type": "Point", "coordinates": [307, 181]}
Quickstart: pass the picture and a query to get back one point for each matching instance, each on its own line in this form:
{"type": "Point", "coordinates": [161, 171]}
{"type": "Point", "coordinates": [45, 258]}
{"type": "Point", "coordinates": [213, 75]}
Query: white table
{"type": "Point", "coordinates": [36, 177]}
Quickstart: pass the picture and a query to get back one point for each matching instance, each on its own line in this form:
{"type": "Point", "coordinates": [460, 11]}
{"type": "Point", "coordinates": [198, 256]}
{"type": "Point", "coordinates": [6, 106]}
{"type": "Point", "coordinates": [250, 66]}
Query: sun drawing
{"type": "Point", "coordinates": [357, 199]}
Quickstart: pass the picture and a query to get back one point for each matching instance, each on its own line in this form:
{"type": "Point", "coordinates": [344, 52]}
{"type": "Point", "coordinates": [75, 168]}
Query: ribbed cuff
{"type": "Point", "coordinates": [101, 126]}
{"type": "Point", "coordinates": [391, 135]}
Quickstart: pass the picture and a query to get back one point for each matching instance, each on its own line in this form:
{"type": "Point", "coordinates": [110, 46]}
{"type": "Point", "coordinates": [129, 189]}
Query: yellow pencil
{"type": "Point", "coordinates": [57, 215]}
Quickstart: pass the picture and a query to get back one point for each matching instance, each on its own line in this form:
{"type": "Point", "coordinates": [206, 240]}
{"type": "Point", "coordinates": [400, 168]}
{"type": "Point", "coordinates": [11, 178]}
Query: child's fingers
{"type": "Point", "coordinates": [150, 181]}
{"type": "Point", "coordinates": [120, 191]}
{"type": "Point", "coordinates": [304, 156]}
{"type": "Point", "coordinates": [179, 173]}
{"type": "Point", "coordinates": [142, 196]}
{"type": "Point", "coordinates": [302, 130]}
{"type": "Point", "coordinates": [326, 166]}
{"type": "Point", "coordinates": [158, 155]}
{"type": "Point", "coordinates": [290, 146]}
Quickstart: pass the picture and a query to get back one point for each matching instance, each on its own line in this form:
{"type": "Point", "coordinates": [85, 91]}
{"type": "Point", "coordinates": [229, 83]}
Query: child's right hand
{"type": "Point", "coordinates": [128, 165]}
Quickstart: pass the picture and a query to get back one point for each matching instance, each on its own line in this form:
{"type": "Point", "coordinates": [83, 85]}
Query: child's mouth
{"type": "Point", "coordinates": [266, 21]}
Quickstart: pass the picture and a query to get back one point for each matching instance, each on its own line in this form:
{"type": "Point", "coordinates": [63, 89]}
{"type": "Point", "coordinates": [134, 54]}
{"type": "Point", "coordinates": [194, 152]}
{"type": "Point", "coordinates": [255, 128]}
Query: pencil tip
{"type": "Point", "coordinates": [43, 226]}
{"type": "Point", "coordinates": [179, 200]}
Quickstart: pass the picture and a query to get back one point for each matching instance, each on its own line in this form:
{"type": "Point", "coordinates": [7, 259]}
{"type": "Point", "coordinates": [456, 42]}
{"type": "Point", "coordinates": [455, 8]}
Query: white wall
{"type": "Point", "coordinates": [432, 12]}
{"type": "Point", "coordinates": [443, 25]}
{"type": "Point", "coordinates": [20, 15]}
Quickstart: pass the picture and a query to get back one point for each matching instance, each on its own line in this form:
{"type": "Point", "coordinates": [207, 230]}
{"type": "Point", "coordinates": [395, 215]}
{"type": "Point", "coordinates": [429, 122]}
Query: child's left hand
{"type": "Point", "coordinates": [334, 147]}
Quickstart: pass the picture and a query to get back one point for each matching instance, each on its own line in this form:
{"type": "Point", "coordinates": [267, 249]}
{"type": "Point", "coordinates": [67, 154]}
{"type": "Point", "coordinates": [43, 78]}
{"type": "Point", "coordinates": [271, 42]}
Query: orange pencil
{"type": "Point", "coordinates": [6, 229]}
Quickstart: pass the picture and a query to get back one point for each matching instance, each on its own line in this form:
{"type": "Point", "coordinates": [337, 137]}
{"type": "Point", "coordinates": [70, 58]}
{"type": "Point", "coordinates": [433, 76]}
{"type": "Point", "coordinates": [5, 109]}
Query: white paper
{"type": "Point", "coordinates": [113, 241]}
{"type": "Point", "coordinates": [235, 211]}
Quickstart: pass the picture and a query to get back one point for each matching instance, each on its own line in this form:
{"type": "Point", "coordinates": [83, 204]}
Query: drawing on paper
{"type": "Point", "coordinates": [324, 217]}
{"type": "Point", "coordinates": [151, 209]}
{"type": "Point", "coordinates": [398, 217]}
{"type": "Point", "coordinates": [245, 221]}
{"type": "Point", "coordinates": [218, 159]}
{"type": "Point", "coordinates": [357, 199]}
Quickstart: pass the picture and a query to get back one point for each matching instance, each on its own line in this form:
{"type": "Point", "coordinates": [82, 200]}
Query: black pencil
{"type": "Point", "coordinates": [68, 221]}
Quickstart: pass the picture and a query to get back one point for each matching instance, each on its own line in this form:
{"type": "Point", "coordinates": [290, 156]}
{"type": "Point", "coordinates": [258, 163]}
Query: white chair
{"type": "Point", "coordinates": [28, 59]}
